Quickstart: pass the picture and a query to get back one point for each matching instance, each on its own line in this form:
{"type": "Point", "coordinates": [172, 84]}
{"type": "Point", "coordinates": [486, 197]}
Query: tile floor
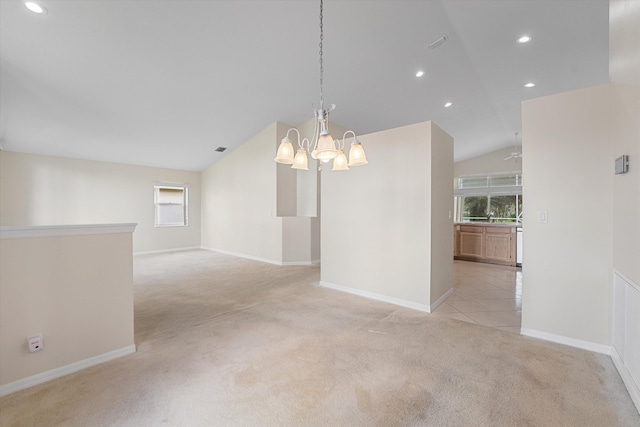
{"type": "Point", "coordinates": [486, 294]}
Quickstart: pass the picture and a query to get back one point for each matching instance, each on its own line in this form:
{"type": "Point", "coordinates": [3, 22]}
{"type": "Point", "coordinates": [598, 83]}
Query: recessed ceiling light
{"type": "Point", "coordinates": [448, 104]}
{"type": "Point", "coordinates": [35, 7]}
{"type": "Point", "coordinates": [524, 39]}
{"type": "Point", "coordinates": [530, 84]}
{"type": "Point", "coordinates": [420, 73]}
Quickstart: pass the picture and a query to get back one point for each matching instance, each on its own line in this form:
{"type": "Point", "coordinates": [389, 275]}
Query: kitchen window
{"type": "Point", "coordinates": [491, 198]}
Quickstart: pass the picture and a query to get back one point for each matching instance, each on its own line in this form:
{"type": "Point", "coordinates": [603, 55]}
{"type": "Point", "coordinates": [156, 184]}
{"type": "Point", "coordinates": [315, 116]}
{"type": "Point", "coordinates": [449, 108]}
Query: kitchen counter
{"type": "Point", "coordinates": [490, 224]}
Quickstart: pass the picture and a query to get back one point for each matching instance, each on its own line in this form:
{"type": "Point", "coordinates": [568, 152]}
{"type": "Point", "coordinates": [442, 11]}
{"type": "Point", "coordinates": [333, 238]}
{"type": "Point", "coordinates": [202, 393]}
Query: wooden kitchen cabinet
{"type": "Point", "coordinates": [472, 241]}
{"type": "Point", "coordinates": [485, 242]}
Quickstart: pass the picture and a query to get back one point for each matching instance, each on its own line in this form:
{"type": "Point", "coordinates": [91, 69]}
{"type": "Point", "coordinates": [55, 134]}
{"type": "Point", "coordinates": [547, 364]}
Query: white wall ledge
{"type": "Point", "coordinates": [24, 232]}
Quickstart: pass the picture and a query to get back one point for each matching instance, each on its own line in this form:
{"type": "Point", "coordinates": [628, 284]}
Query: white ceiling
{"type": "Point", "coordinates": [163, 83]}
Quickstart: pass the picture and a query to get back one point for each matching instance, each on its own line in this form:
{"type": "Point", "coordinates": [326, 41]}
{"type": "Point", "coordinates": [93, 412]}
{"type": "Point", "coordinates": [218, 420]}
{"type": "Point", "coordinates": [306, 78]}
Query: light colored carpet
{"type": "Point", "coordinates": [228, 341]}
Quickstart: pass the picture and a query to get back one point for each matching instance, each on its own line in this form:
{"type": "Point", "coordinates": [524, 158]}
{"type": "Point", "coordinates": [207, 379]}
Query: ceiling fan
{"type": "Point", "coordinates": [515, 154]}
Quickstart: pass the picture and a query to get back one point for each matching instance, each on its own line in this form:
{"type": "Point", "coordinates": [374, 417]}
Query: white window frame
{"type": "Point", "coordinates": [157, 187]}
{"type": "Point", "coordinates": [487, 191]}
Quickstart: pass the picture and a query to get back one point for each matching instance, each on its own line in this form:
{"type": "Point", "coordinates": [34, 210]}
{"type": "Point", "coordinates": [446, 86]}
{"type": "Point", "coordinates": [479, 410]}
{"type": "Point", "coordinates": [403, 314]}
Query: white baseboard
{"type": "Point", "coordinates": [163, 251]}
{"type": "Point", "coordinates": [307, 263]}
{"type": "Point", "coordinates": [632, 387]}
{"type": "Point", "coordinates": [65, 370]}
{"type": "Point", "coordinates": [440, 300]}
{"type": "Point", "coordinates": [377, 297]}
{"type": "Point", "coordinates": [268, 261]}
{"type": "Point", "coordinates": [572, 342]}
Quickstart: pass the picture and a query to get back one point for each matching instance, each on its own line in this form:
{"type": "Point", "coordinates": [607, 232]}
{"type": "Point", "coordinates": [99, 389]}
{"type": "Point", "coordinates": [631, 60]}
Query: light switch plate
{"type": "Point", "coordinates": [542, 217]}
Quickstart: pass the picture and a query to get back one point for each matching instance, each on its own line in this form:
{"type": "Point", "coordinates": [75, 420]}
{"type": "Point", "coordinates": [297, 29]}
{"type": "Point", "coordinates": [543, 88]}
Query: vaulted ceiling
{"type": "Point", "coordinates": [163, 83]}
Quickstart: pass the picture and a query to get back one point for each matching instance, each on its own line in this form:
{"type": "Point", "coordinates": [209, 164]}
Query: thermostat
{"type": "Point", "coordinates": [622, 164]}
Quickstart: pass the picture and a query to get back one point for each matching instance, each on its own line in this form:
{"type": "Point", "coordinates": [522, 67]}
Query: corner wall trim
{"type": "Point", "coordinates": [377, 297]}
{"type": "Point", "coordinates": [572, 342]}
{"type": "Point", "coordinates": [65, 370]}
{"type": "Point", "coordinates": [440, 300]}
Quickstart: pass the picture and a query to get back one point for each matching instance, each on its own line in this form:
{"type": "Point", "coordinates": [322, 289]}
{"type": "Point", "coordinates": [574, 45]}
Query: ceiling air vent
{"type": "Point", "coordinates": [438, 42]}
{"type": "Point", "coordinates": [220, 149]}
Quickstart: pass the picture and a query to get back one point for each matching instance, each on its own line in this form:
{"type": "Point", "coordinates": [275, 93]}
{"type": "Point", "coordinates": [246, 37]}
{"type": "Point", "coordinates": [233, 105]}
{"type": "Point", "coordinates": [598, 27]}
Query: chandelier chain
{"type": "Point", "coordinates": [321, 64]}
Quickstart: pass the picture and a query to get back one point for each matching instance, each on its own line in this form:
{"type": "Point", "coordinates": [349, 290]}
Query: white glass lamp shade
{"type": "Point", "coordinates": [301, 161]}
{"type": "Point", "coordinates": [340, 162]}
{"type": "Point", "coordinates": [285, 152]}
{"type": "Point", "coordinates": [326, 149]}
{"type": "Point", "coordinates": [356, 154]}
{"type": "Point", "coordinates": [35, 7]}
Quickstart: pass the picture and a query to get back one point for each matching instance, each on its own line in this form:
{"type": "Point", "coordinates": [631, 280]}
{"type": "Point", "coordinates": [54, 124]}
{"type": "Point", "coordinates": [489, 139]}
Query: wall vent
{"type": "Point", "coordinates": [438, 42]}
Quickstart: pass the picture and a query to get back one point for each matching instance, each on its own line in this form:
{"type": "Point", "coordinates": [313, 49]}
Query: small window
{"type": "Point", "coordinates": [505, 181]}
{"type": "Point", "coordinates": [473, 182]}
{"type": "Point", "coordinates": [171, 205]}
{"type": "Point", "coordinates": [488, 198]}
{"type": "Point", "coordinates": [489, 181]}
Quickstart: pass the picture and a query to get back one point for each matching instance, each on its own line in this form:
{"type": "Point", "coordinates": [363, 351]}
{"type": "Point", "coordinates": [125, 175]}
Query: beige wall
{"type": "Point", "coordinates": [286, 177]}
{"type": "Point", "coordinates": [239, 198]}
{"type": "Point", "coordinates": [569, 261]}
{"type": "Point", "coordinates": [441, 212]}
{"type": "Point", "coordinates": [77, 290]}
{"type": "Point", "coordinates": [624, 72]}
{"type": "Point", "coordinates": [490, 163]}
{"type": "Point", "coordinates": [249, 204]}
{"type": "Point", "coordinates": [377, 236]}
{"type": "Point", "coordinates": [296, 241]}
{"type": "Point", "coordinates": [259, 209]}
{"type": "Point", "coordinates": [307, 194]}
{"type": "Point", "coordinates": [43, 190]}
{"type": "Point", "coordinates": [567, 265]}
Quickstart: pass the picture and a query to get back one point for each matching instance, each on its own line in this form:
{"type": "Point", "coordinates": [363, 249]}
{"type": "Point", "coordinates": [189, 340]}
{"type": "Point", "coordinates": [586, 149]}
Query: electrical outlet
{"type": "Point", "coordinates": [35, 343]}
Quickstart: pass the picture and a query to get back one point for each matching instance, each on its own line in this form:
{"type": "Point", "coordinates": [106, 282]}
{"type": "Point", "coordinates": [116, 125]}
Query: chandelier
{"type": "Point", "coordinates": [322, 145]}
